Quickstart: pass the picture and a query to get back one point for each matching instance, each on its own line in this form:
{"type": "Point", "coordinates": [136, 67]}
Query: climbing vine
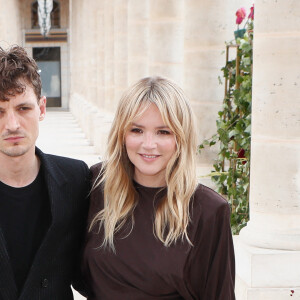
{"type": "Point", "coordinates": [231, 173]}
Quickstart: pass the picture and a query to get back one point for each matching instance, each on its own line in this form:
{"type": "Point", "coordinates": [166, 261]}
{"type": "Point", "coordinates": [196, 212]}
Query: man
{"type": "Point", "coordinates": [43, 198]}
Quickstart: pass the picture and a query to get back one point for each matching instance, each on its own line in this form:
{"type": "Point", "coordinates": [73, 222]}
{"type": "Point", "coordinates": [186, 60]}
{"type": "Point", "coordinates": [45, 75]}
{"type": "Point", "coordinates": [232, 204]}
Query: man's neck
{"type": "Point", "coordinates": [19, 171]}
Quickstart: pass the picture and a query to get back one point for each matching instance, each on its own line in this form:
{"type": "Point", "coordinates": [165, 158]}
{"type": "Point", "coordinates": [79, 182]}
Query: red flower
{"type": "Point", "coordinates": [241, 154]}
{"type": "Point", "coordinates": [240, 15]}
{"type": "Point", "coordinates": [251, 15]}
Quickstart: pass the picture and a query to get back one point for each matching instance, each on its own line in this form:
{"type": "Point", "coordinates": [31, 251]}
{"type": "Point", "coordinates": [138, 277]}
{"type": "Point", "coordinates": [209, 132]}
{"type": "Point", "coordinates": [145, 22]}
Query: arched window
{"type": "Point", "coordinates": [55, 15]}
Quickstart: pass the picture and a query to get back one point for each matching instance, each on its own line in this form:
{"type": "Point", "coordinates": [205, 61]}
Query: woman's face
{"type": "Point", "coordinates": [150, 144]}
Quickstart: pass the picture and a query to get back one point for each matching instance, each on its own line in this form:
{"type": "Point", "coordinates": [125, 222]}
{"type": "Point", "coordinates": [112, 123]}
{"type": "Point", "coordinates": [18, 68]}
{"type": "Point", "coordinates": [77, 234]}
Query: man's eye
{"type": "Point", "coordinates": [24, 108]}
{"type": "Point", "coordinates": [136, 130]}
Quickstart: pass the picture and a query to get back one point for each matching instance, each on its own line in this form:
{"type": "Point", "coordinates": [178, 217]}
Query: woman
{"type": "Point", "coordinates": [154, 232]}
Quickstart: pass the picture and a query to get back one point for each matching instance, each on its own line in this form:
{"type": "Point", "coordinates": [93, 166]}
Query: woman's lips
{"type": "Point", "coordinates": [149, 157]}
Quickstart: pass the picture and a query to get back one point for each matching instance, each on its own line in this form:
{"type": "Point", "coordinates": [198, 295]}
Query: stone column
{"type": "Point", "coordinates": [100, 46]}
{"type": "Point", "coordinates": [91, 54]}
{"type": "Point", "coordinates": [138, 39]}
{"type": "Point", "coordinates": [121, 48]}
{"type": "Point", "coordinates": [268, 249]}
{"type": "Point", "coordinates": [166, 38]}
{"type": "Point", "coordinates": [109, 81]}
{"type": "Point", "coordinates": [10, 23]}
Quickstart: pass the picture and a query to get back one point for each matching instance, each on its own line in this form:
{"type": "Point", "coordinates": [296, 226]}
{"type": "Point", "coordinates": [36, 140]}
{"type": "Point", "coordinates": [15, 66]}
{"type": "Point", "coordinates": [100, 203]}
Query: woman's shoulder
{"type": "Point", "coordinates": [206, 202]}
{"type": "Point", "coordinates": [95, 169]}
{"type": "Point", "coordinates": [209, 214]}
{"type": "Point", "coordinates": [96, 176]}
{"type": "Point", "coordinates": [204, 193]}
{"type": "Point", "coordinates": [96, 193]}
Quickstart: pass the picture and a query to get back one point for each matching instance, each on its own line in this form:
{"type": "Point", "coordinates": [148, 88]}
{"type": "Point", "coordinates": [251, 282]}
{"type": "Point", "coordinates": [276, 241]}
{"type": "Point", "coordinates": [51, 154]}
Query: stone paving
{"type": "Point", "coordinates": [60, 134]}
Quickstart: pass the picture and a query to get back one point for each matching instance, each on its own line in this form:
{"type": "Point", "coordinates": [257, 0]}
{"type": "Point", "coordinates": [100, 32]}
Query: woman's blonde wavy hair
{"type": "Point", "coordinates": [116, 175]}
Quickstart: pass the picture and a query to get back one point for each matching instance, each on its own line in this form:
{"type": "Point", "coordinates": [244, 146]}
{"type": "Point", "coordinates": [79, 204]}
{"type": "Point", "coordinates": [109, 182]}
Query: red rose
{"type": "Point", "coordinates": [251, 15]}
{"type": "Point", "coordinates": [240, 15]}
{"type": "Point", "coordinates": [241, 154]}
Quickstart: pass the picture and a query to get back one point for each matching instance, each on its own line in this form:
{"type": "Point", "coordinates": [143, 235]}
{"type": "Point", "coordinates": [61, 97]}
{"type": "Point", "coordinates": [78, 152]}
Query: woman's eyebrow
{"type": "Point", "coordinates": [159, 127]}
{"type": "Point", "coordinates": [137, 125]}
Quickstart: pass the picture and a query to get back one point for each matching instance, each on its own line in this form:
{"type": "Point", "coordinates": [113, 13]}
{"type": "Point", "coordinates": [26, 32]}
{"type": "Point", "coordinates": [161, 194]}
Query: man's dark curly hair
{"type": "Point", "coordinates": [16, 69]}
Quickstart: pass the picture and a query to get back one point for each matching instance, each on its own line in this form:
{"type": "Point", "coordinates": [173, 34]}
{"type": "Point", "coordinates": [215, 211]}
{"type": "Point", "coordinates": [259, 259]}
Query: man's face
{"type": "Point", "coordinates": [19, 122]}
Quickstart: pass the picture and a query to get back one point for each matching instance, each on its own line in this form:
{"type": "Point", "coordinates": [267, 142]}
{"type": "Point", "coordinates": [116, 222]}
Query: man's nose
{"type": "Point", "coordinates": [12, 121]}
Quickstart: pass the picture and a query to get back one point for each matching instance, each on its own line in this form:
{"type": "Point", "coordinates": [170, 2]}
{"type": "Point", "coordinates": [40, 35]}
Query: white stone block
{"type": "Point", "coordinates": [267, 269]}
{"type": "Point", "coordinates": [244, 292]}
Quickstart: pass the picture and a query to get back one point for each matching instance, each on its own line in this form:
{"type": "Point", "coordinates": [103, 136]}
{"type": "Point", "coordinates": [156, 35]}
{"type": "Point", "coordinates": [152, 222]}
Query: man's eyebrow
{"type": "Point", "coordinates": [25, 104]}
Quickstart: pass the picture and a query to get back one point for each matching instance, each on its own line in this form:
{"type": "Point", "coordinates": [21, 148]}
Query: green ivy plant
{"type": "Point", "coordinates": [231, 173]}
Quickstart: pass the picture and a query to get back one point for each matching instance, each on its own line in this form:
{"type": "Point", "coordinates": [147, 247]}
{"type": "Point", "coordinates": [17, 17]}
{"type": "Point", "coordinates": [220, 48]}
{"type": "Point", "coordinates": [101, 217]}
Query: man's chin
{"type": "Point", "coordinates": [15, 151]}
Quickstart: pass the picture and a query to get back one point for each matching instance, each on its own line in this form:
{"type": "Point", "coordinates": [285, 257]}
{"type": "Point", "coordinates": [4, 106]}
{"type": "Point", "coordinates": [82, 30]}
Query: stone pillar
{"type": "Point", "coordinates": [166, 39]}
{"type": "Point", "coordinates": [10, 23]}
{"type": "Point", "coordinates": [76, 55]}
{"type": "Point", "coordinates": [268, 248]}
{"type": "Point", "coordinates": [100, 45]}
{"type": "Point", "coordinates": [91, 54]}
{"type": "Point", "coordinates": [120, 48]}
{"type": "Point", "coordinates": [109, 81]}
{"type": "Point", "coordinates": [138, 39]}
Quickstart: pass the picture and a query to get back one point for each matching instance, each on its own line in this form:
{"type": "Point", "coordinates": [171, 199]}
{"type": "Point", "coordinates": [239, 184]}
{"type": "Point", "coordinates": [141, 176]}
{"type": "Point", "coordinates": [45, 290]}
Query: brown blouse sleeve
{"type": "Point", "coordinates": [210, 268]}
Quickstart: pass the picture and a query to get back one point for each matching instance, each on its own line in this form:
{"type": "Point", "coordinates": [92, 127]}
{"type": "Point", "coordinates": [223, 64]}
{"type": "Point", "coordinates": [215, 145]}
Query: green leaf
{"type": "Point", "coordinates": [233, 133]}
{"type": "Point", "coordinates": [223, 135]}
{"type": "Point", "coordinates": [248, 129]}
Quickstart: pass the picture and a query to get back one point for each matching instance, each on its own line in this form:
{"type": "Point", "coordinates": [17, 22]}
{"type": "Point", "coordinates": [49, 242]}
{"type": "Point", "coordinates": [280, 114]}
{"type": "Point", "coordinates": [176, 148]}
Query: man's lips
{"type": "Point", "coordinates": [13, 138]}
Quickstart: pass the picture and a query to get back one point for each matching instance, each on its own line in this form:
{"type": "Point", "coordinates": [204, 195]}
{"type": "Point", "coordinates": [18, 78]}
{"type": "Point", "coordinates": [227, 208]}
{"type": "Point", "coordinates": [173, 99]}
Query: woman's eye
{"type": "Point", "coordinates": [164, 132]}
{"type": "Point", "coordinates": [136, 130]}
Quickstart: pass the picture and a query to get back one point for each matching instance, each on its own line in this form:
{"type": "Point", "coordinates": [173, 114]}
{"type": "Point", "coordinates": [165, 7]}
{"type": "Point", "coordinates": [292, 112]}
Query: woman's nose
{"type": "Point", "coordinates": [149, 141]}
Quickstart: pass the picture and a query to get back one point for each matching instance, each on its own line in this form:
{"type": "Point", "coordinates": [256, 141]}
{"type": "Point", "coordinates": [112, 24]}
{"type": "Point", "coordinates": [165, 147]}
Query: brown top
{"type": "Point", "coordinates": [143, 268]}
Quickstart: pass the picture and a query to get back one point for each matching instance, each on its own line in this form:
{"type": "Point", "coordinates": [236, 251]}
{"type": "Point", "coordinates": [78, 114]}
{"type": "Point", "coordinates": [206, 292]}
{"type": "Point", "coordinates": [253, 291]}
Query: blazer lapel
{"type": "Point", "coordinates": [55, 180]}
{"type": "Point", "coordinates": [8, 288]}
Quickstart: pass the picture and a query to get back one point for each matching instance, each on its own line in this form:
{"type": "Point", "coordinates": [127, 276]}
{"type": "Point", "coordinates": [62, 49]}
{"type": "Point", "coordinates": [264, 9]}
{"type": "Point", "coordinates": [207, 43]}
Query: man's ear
{"type": "Point", "coordinates": [42, 106]}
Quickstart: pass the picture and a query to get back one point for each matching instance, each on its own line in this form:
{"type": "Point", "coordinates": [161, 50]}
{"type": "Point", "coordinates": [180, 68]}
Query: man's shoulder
{"type": "Point", "coordinates": [64, 160]}
{"type": "Point", "coordinates": [56, 163]}
{"type": "Point", "coordinates": [67, 164]}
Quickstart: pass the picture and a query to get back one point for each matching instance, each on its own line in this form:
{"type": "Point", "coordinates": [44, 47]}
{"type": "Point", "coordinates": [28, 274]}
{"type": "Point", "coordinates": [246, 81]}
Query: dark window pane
{"type": "Point", "coordinates": [48, 61]}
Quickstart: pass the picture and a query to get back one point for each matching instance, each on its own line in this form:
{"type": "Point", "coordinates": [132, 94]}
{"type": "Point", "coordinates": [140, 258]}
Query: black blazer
{"type": "Point", "coordinates": [55, 264]}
